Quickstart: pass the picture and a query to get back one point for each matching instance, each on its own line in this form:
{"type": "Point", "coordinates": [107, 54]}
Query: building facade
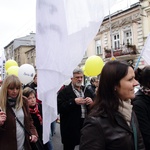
{"type": "Point", "coordinates": [120, 36]}
{"type": "Point", "coordinates": [145, 13]}
{"type": "Point", "coordinates": [25, 54]}
{"type": "Point", "coordinates": [9, 49]}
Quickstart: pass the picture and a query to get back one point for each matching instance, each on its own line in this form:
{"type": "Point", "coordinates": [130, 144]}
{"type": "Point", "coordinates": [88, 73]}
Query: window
{"type": "Point", "coordinates": [98, 47]}
{"type": "Point", "coordinates": [116, 41]}
{"type": "Point", "coordinates": [127, 37]}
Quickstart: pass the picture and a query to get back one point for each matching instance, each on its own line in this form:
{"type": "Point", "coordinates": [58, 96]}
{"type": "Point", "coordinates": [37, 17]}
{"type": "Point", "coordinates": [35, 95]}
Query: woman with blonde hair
{"type": "Point", "coordinates": [14, 107]}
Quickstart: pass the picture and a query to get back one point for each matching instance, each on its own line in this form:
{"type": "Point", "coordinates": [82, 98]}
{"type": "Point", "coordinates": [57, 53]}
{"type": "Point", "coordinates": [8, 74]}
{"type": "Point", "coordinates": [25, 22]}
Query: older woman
{"type": "Point", "coordinates": [36, 114]}
{"type": "Point", "coordinates": [112, 124]}
{"type": "Point", "coordinates": [12, 135]}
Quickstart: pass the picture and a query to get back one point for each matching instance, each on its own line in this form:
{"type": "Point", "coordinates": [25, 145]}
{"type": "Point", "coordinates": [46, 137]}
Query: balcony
{"type": "Point", "coordinates": [122, 51]}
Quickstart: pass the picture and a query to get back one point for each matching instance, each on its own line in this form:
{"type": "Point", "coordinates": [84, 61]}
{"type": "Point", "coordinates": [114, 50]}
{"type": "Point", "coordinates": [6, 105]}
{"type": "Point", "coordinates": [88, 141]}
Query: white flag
{"type": "Point", "coordinates": [64, 30]}
{"type": "Point", "coordinates": [146, 50]}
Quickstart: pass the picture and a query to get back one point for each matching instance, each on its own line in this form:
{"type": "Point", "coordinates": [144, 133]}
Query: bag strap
{"type": "Point", "coordinates": [38, 144]}
{"type": "Point", "coordinates": [134, 132]}
{"type": "Point", "coordinates": [19, 121]}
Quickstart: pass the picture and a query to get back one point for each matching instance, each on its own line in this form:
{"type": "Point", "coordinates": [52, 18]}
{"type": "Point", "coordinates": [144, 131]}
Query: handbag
{"type": "Point", "coordinates": [38, 144]}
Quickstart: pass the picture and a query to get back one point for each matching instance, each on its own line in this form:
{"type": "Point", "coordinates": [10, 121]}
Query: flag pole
{"type": "Point", "coordinates": [110, 28]}
{"type": "Point", "coordinates": [145, 46]}
{"type": "Point", "coordinates": [110, 32]}
{"type": "Point", "coordinates": [137, 64]}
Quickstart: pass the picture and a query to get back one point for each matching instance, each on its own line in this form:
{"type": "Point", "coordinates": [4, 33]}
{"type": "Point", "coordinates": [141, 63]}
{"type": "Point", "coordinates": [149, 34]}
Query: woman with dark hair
{"type": "Point", "coordinates": [14, 107]}
{"type": "Point", "coordinates": [141, 103]}
{"type": "Point", "coordinates": [111, 123]}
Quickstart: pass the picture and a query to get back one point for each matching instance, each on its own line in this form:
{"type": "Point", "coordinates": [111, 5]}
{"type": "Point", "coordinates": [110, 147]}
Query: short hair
{"type": "Point", "coordinates": [143, 76]}
{"type": "Point", "coordinates": [27, 91]}
{"type": "Point", "coordinates": [93, 79]}
{"type": "Point", "coordinates": [77, 70]}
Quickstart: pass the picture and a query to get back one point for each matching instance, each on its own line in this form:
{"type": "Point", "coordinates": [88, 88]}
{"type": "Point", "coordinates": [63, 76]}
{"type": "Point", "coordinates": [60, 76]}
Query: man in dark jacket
{"type": "Point", "coordinates": [94, 82]}
{"type": "Point", "coordinates": [141, 103]}
{"type": "Point", "coordinates": [141, 106]}
{"type": "Point", "coordinates": [73, 105]}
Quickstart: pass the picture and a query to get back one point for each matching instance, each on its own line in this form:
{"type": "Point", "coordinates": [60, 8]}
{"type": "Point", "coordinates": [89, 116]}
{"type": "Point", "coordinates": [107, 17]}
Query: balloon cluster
{"type": "Point", "coordinates": [93, 66]}
{"type": "Point", "coordinates": [25, 72]}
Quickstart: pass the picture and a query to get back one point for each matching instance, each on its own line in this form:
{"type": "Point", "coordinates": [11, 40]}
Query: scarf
{"type": "Point", "coordinates": [12, 101]}
{"type": "Point", "coordinates": [145, 90]}
{"type": "Point", "coordinates": [35, 110]}
{"type": "Point", "coordinates": [126, 110]}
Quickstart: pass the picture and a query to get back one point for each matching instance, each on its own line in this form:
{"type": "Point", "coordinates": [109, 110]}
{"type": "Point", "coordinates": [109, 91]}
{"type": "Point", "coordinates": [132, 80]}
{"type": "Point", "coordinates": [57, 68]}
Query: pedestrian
{"type": "Point", "coordinates": [93, 85]}
{"type": "Point", "coordinates": [12, 105]}
{"type": "Point", "coordinates": [74, 101]}
{"type": "Point", "coordinates": [111, 124]}
{"type": "Point", "coordinates": [36, 113]}
{"type": "Point", "coordinates": [141, 103]}
{"type": "Point", "coordinates": [34, 85]}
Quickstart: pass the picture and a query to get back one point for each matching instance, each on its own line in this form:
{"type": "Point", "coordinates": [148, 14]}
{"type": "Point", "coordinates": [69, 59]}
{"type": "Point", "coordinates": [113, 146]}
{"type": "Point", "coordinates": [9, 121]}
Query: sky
{"type": "Point", "coordinates": [17, 18]}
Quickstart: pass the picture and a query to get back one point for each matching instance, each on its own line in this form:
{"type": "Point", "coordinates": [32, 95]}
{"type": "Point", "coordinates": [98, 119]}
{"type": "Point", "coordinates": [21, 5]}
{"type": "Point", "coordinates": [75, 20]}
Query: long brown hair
{"type": "Point", "coordinates": [107, 99]}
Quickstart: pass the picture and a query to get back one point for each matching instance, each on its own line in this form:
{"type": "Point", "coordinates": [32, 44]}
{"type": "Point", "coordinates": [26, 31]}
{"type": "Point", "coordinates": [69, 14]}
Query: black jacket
{"type": "Point", "coordinates": [70, 115]}
{"type": "Point", "coordinates": [92, 89]}
{"type": "Point", "coordinates": [141, 106]}
{"type": "Point", "coordinates": [99, 133]}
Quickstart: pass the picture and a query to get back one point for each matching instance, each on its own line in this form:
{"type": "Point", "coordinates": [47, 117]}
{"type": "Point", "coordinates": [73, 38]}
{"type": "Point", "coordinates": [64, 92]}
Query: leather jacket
{"type": "Point", "coordinates": [99, 133]}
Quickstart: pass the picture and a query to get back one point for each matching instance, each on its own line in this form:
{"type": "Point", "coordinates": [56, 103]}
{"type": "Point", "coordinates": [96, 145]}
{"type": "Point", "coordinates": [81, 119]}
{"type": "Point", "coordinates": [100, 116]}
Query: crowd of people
{"type": "Point", "coordinates": [107, 114]}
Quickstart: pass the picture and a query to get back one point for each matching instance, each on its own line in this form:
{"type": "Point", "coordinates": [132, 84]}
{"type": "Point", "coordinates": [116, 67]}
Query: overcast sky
{"type": "Point", "coordinates": [17, 18]}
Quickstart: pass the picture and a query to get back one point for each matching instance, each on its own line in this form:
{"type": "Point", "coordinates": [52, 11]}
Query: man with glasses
{"type": "Point", "coordinates": [73, 105]}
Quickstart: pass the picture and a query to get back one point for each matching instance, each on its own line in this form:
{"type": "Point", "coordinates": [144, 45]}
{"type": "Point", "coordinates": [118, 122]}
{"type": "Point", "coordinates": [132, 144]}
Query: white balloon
{"type": "Point", "coordinates": [26, 73]}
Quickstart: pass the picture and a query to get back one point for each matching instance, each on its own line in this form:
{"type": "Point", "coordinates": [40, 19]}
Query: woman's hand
{"type": "Point", "coordinates": [2, 117]}
{"type": "Point", "coordinates": [33, 138]}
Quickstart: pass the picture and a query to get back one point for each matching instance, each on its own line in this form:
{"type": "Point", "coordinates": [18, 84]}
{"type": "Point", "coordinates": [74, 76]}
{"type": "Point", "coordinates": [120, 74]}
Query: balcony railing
{"type": "Point", "coordinates": [125, 50]}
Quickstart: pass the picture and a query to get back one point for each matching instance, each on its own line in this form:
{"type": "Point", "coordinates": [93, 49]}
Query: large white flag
{"type": "Point", "coordinates": [64, 28]}
{"type": "Point", "coordinates": [146, 50]}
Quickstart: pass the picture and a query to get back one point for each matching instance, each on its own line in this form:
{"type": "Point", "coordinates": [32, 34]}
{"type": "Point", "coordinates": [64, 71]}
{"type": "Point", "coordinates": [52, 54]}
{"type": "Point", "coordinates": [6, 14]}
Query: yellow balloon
{"type": "Point", "coordinates": [13, 70]}
{"type": "Point", "coordinates": [94, 65]}
{"type": "Point", "coordinates": [10, 63]}
{"type": "Point", "coordinates": [84, 72]}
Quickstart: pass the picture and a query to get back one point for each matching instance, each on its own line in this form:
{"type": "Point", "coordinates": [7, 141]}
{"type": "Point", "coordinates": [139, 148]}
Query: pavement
{"type": "Point", "coordinates": [56, 140]}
